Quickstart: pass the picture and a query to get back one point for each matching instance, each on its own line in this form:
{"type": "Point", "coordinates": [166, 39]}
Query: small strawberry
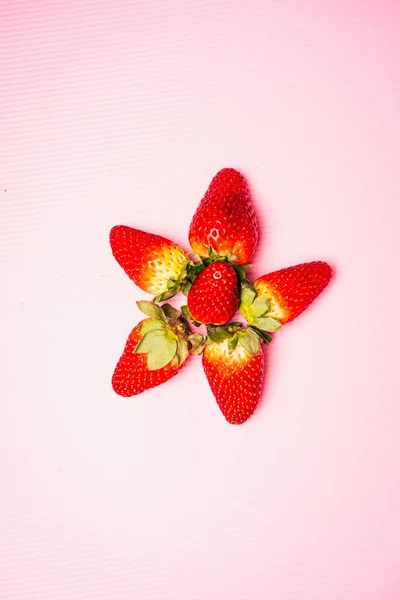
{"type": "Point", "coordinates": [156, 350]}
{"type": "Point", "coordinates": [234, 366]}
{"type": "Point", "coordinates": [281, 296]}
{"type": "Point", "coordinates": [214, 297]}
{"type": "Point", "coordinates": [225, 222]}
{"type": "Point", "coordinates": [154, 263]}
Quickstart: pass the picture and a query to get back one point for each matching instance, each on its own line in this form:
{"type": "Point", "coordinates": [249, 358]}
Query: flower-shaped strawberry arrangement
{"type": "Point", "coordinates": [223, 235]}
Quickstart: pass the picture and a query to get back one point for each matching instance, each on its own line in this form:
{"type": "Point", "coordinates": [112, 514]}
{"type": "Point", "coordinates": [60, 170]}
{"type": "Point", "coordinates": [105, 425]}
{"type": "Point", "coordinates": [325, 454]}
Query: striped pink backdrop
{"type": "Point", "coordinates": [121, 111]}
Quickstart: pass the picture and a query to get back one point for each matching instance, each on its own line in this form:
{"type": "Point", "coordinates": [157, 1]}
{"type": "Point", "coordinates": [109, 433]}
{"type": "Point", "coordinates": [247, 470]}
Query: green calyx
{"type": "Point", "coordinates": [266, 337]}
{"type": "Point", "coordinates": [250, 340]}
{"type": "Point", "coordinates": [151, 309]}
{"type": "Point", "coordinates": [160, 346]}
{"type": "Point", "coordinates": [166, 336]}
{"type": "Point", "coordinates": [214, 256]}
{"type": "Point", "coordinates": [234, 334]}
{"type": "Point", "coordinates": [241, 273]}
{"type": "Point", "coordinates": [193, 267]}
{"type": "Point", "coordinates": [217, 335]}
{"type": "Point", "coordinates": [188, 316]}
{"type": "Point", "coordinates": [256, 310]}
{"type": "Point", "coordinates": [197, 343]}
{"type": "Point", "coordinates": [174, 285]}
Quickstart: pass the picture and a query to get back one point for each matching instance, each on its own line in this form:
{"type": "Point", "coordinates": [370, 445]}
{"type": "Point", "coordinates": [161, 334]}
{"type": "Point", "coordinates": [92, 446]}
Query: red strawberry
{"type": "Point", "coordinates": [153, 262]}
{"type": "Point", "coordinates": [155, 351]}
{"type": "Point", "coordinates": [213, 296]}
{"type": "Point", "coordinates": [225, 219]}
{"type": "Point", "coordinates": [290, 291]}
{"type": "Point", "coordinates": [235, 375]}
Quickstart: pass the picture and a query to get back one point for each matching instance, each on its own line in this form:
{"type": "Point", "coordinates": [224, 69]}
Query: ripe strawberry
{"type": "Point", "coordinates": [288, 292]}
{"type": "Point", "coordinates": [214, 296]}
{"type": "Point", "coordinates": [155, 351]}
{"type": "Point", "coordinates": [225, 220]}
{"type": "Point", "coordinates": [235, 375]}
{"type": "Point", "coordinates": [154, 263]}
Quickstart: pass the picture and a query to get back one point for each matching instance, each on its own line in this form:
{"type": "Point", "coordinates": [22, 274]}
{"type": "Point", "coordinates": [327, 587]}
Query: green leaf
{"type": "Point", "coordinates": [182, 351]}
{"type": "Point", "coordinates": [167, 294]}
{"type": "Point", "coordinates": [171, 284]}
{"type": "Point", "coordinates": [247, 296]}
{"type": "Point", "coordinates": [150, 309]}
{"type": "Point", "coordinates": [188, 316]}
{"type": "Point", "coordinates": [259, 308]}
{"type": "Point", "coordinates": [186, 287]}
{"type": "Point", "coordinates": [267, 323]}
{"type": "Point", "coordinates": [150, 341]}
{"type": "Point", "coordinates": [152, 325]}
{"type": "Point", "coordinates": [197, 342]}
{"type": "Point", "coordinates": [266, 337]}
{"type": "Point", "coordinates": [218, 334]}
{"type": "Point", "coordinates": [162, 356]}
{"type": "Point", "coordinates": [196, 338]}
{"type": "Point", "coordinates": [250, 341]}
{"type": "Point", "coordinates": [241, 275]}
{"type": "Point", "coordinates": [160, 347]}
{"type": "Point", "coordinates": [232, 343]}
{"type": "Point", "coordinates": [170, 312]}
{"type": "Point", "coordinates": [198, 268]}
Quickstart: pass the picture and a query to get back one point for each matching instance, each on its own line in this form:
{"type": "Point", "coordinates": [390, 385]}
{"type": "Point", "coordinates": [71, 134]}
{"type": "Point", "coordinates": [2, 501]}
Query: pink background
{"type": "Point", "coordinates": [121, 112]}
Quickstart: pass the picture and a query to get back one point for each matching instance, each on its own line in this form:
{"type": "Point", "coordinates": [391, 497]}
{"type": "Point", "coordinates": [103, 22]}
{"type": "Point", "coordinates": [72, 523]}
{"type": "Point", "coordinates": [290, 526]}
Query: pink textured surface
{"type": "Point", "coordinates": [122, 112]}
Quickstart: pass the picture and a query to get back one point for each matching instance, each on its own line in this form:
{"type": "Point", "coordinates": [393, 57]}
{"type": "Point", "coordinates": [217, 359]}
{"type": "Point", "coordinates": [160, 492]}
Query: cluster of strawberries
{"type": "Point", "coordinates": [223, 235]}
